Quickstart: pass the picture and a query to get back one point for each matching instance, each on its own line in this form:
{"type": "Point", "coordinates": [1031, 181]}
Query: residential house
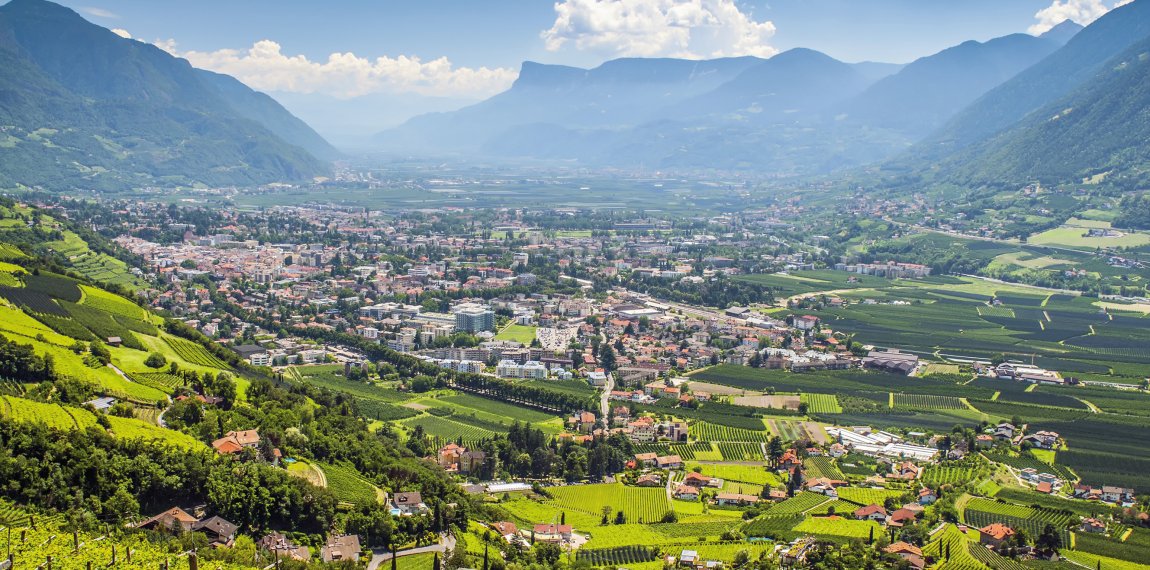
{"type": "Point", "coordinates": [170, 519]}
{"type": "Point", "coordinates": [1092, 525]}
{"type": "Point", "coordinates": [900, 517]}
{"type": "Point", "coordinates": [735, 499]}
{"type": "Point", "coordinates": [1043, 439]}
{"type": "Point", "coordinates": [220, 532]}
{"type": "Point", "coordinates": [872, 512]}
{"type": "Point", "coordinates": [927, 496]}
{"type": "Point", "coordinates": [994, 534]}
{"type": "Point", "coordinates": [552, 533]}
{"type": "Point", "coordinates": [669, 462]}
{"type": "Point", "coordinates": [236, 441]}
{"type": "Point", "coordinates": [337, 548]}
{"type": "Point", "coordinates": [789, 460]}
{"type": "Point", "coordinates": [1119, 495]}
{"type": "Point", "coordinates": [505, 529]}
{"type": "Point", "coordinates": [824, 485]}
{"type": "Point", "coordinates": [696, 480]}
{"type": "Point", "coordinates": [908, 552]}
{"type": "Point", "coordinates": [283, 548]}
{"type": "Point", "coordinates": [407, 504]}
{"type": "Point", "coordinates": [646, 459]}
{"type": "Point", "coordinates": [649, 480]}
{"type": "Point", "coordinates": [686, 493]}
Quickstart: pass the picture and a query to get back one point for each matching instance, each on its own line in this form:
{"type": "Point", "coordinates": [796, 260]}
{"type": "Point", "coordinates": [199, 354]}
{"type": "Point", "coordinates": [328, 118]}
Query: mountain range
{"type": "Point", "coordinates": [800, 111]}
{"type": "Point", "coordinates": [82, 107]}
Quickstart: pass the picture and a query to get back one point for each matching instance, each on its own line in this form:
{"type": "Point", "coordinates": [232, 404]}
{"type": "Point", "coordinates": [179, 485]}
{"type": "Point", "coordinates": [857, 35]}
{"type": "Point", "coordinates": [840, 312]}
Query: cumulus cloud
{"type": "Point", "coordinates": [1081, 11]}
{"type": "Point", "coordinates": [265, 67]}
{"type": "Point", "coordinates": [650, 28]}
{"type": "Point", "coordinates": [122, 33]}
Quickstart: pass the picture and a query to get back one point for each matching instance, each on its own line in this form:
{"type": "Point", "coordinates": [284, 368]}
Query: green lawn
{"type": "Point", "coordinates": [517, 333]}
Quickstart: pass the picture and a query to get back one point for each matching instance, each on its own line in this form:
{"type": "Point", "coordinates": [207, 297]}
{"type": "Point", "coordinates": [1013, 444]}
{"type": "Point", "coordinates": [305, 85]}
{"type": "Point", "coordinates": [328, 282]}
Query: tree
{"type": "Point", "coordinates": [155, 360]}
{"type": "Point", "coordinates": [1050, 540]}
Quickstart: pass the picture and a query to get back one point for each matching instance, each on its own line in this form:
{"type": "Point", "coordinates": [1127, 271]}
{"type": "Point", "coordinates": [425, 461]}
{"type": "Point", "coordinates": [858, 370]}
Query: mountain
{"type": "Point", "coordinates": [1046, 81]}
{"type": "Point", "coordinates": [84, 107]}
{"type": "Point", "coordinates": [1063, 32]}
{"type": "Point", "coordinates": [929, 91]}
{"type": "Point", "coordinates": [617, 94]}
{"type": "Point", "coordinates": [1100, 128]}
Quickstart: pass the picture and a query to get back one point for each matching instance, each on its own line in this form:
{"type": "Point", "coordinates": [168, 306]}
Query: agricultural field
{"type": "Point", "coordinates": [69, 418]}
{"type": "Point", "coordinates": [817, 467]}
{"type": "Point", "coordinates": [742, 473]}
{"type": "Point", "coordinates": [48, 540]}
{"type": "Point", "coordinates": [867, 495]}
{"type": "Point", "coordinates": [779, 527]}
{"type": "Point", "coordinates": [840, 527]}
{"type": "Point", "coordinates": [945, 474]}
{"type": "Point", "coordinates": [703, 431]}
{"type": "Point", "coordinates": [639, 505]}
{"type": "Point", "coordinates": [822, 403]}
{"type": "Point", "coordinates": [446, 429]}
{"type": "Point", "coordinates": [740, 451]}
{"type": "Point", "coordinates": [800, 503]}
{"type": "Point", "coordinates": [926, 402]}
{"type": "Point", "coordinates": [349, 486]}
{"type": "Point", "coordinates": [981, 512]}
{"type": "Point", "coordinates": [194, 353]}
{"type": "Point", "coordinates": [505, 410]}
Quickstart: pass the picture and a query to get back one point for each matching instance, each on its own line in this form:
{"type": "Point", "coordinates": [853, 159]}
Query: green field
{"type": "Point", "coordinates": [517, 333]}
{"type": "Point", "coordinates": [349, 486]}
{"type": "Point", "coordinates": [639, 505]}
{"type": "Point", "coordinates": [842, 527]}
{"type": "Point", "coordinates": [69, 418]}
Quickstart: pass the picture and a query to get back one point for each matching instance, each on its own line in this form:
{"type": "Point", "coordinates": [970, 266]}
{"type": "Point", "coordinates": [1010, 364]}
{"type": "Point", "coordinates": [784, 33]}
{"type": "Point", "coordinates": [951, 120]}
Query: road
{"type": "Point", "coordinates": [605, 397]}
{"type": "Point", "coordinates": [379, 556]}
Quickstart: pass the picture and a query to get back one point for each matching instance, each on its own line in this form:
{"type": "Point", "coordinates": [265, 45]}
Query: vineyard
{"type": "Point", "coordinates": [926, 402]}
{"type": "Point", "coordinates": [994, 560]}
{"type": "Point", "coordinates": [449, 430]}
{"type": "Point", "coordinates": [112, 304]}
{"type": "Point", "coordinates": [953, 542]}
{"type": "Point", "coordinates": [981, 512]}
{"type": "Point", "coordinates": [97, 551]}
{"type": "Point", "coordinates": [741, 451]}
{"type": "Point", "coordinates": [684, 530]}
{"type": "Point", "coordinates": [1024, 461]}
{"type": "Point", "coordinates": [193, 353]}
{"type": "Point", "coordinates": [619, 555]}
{"type": "Point", "coordinates": [703, 431]}
{"type": "Point", "coordinates": [687, 451]}
{"type": "Point", "coordinates": [935, 475]}
{"type": "Point", "coordinates": [101, 324]}
{"type": "Point", "coordinates": [159, 380]}
{"type": "Point", "coordinates": [778, 527]}
{"type": "Point", "coordinates": [866, 496]}
{"type": "Point", "coordinates": [798, 504]}
{"type": "Point", "coordinates": [348, 485]}
{"type": "Point", "coordinates": [837, 526]}
{"type": "Point", "coordinates": [821, 403]}
{"type": "Point", "coordinates": [638, 505]}
{"type": "Point", "coordinates": [822, 467]}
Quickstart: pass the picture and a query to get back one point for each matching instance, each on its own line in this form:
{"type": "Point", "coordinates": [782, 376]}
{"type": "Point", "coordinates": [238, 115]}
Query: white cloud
{"type": "Point", "coordinates": [1081, 11]}
{"type": "Point", "coordinates": [650, 28]}
{"type": "Point", "coordinates": [99, 12]}
{"type": "Point", "coordinates": [265, 67]}
{"type": "Point", "coordinates": [122, 33]}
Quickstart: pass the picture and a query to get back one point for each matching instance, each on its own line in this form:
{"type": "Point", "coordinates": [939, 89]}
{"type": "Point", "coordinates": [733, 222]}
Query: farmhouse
{"type": "Point", "coordinates": [337, 548]}
{"type": "Point", "coordinates": [668, 462]}
{"type": "Point", "coordinates": [735, 499]}
{"type": "Point", "coordinates": [235, 441]}
{"type": "Point", "coordinates": [646, 459]}
{"type": "Point", "coordinates": [282, 547]}
{"type": "Point", "coordinates": [170, 519]}
{"type": "Point", "coordinates": [649, 480]}
{"type": "Point", "coordinates": [219, 531]}
{"type": "Point", "coordinates": [908, 552]}
{"type": "Point", "coordinates": [552, 533]}
{"type": "Point", "coordinates": [1093, 525]}
{"type": "Point", "coordinates": [407, 504]}
{"type": "Point", "coordinates": [871, 512]}
{"type": "Point", "coordinates": [686, 493]}
{"type": "Point", "coordinates": [900, 517]}
{"type": "Point", "coordinates": [994, 534]}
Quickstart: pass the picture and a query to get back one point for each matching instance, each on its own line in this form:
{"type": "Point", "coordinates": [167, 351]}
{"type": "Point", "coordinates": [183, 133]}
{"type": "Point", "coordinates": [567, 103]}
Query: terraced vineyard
{"type": "Point", "coordinates": [1029, 461]}
{"type": "Point", "coordinates": [839, 527]}
{"type": "Point", "coordinates": [684, 530]}
{"type": "Point", "coordinates": [981, 512]}
{"type": "Point", "coordinates": [349, 486]}
{"type": "Point", "coordinates": [159, 380]}
{"type": "Point", "coordinates": [703, 431]}
{"type": "Point", "coordinates": [639, 505]}
{"type": "Point", "coordinates": [194, 353]}
{"type": "Point", "coordinates": [945, 474]}
{"type": "Point", "coordinates": [867, 496]}
{"type": "Point", "coordinates": [953, 541]}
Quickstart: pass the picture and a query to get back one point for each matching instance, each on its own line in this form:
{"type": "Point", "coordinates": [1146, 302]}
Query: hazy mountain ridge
{"type": "Point", "coordinates": [798, 112]}
{"type": "Point", "coordinates": [83, 106]}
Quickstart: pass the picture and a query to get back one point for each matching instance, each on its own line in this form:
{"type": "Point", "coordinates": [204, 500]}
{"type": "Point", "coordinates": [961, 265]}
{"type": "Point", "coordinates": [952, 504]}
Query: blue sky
{"type": "Point", "coordinates": [459, 50]}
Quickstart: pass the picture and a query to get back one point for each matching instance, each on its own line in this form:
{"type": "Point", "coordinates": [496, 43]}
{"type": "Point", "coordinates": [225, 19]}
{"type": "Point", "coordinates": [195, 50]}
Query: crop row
{"type": "Point", "coordinates": [703, 431]}
{"type": "Point", "coordinates": [638, 505]}
{"type": "Point", "coordinates": [741, 451]}
{"type": "Point", "coordinates": [822, 466]}
{"type": "Point", "coordinates": [616, 556]}
{"type": "Point", "coordinates": [926, 402]}
{"type": "Point", "coordinates": [194, 353]}
{"type": "Point", "coordinates": [822, 403]}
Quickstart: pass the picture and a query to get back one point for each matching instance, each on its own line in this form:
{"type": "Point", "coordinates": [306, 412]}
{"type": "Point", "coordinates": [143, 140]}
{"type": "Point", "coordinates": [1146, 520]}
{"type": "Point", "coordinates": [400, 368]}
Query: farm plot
{"type": "Point", "coordinates": [1130, 550]}
{"type": "Point", "coordinates": [742, 473]}
{"type": "Point", "coordinates": [926, 402]}
{"type": "Point", "coordinates": [348, 485]}
{"type": "Point", "coordinates": [798, 504]}
{"type": "Point", "coordinates": [618, 556]}
{"type": "Point", "coordinates": [502, 409]}
{"type": "Point", "coordinates": [822, 403]}
{"type": "Point", "coordinates": [740, 451]}
{"type": "Point", "coordinates": [687, 529]}
{"type": "Point", "coordinates": [638, 505]}
{"type": "Point", "coordinates": [776, 401]}
{"type": "Point", "coordinates": [935, 475]}
{"type": "Point", "coordinates": [840, 527]}
{"type": "Point", "coordinates": [778, 527]}
{"type": "Point", "coordinates": [866, 495]}
{"type": "Point", "coordinates": [193, 353]}
{"type": "Point", "coordinates": [817, 467]}
{"type": "Point", "coordinates": [981, 512]}
{"type": "Point", "coordinates": [788, 430]}
{"type": "Point", "coordinates": [111, 303]}
{"type": "Point", "coordinates": [448, 430]}
{"type": "Point", "coordinates": [703, 431]}
{"type": "Point", "coordinates": [957, 544]}
{"type": "Point", "coordinates": [1029, 461]}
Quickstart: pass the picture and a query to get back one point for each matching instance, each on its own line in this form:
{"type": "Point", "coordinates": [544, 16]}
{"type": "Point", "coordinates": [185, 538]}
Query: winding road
{"type": "Point", "coordinates": [379, 556]}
